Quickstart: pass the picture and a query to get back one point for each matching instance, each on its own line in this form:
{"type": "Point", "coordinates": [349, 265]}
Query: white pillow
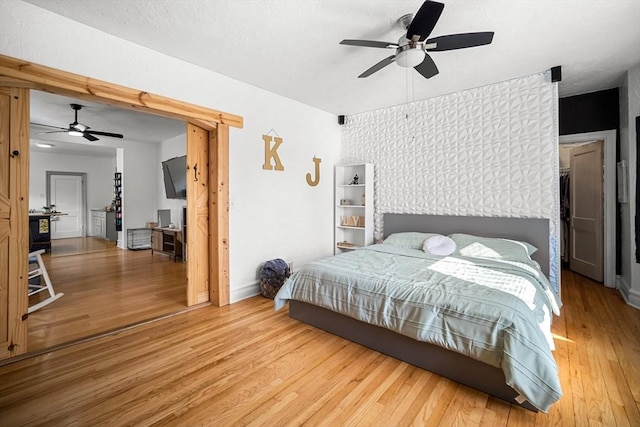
{"type": "Point", "coordinates": [439, 245]}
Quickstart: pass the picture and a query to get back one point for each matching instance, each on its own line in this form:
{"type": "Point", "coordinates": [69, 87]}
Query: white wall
{"type": "Point", "coordinates": [166, 150]}
{"type": "Point", "coordinates": [138, 186]}
{"type": "Point", "coordinates": [99, 182]}
{"type": "Point", "coordinates": [272, 214]}
{"type": "Point", "coordinates": [629, 280]}
{"type": "Point", "coordinates": [488, 151]}
{"type": "Point", "coordinates": [138, 180]}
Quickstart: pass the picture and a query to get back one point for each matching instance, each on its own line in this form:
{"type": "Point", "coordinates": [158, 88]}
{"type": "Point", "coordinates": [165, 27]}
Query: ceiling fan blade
{"type": "Point", "coordinates": [50, 132]}
{"type": "Point", "coordinates": [427, 67]}
{"type": "Point", "coordinates": [48, 126]}
{"type": "Point", "coordinates": [96, 132]}
{"type": "Point", "coordinates": [87, 135]}
{"type": "Point", "coordinates": [379, 66]}
{"type": "Point", "coordinates": [460, 41]}
{"type": "Point", "coordinates": [369, 43]}
{"type": "Point", "coordinates": [425, 19]}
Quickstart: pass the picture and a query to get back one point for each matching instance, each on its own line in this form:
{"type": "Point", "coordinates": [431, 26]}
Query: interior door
{"type": "Point", "coordinates": [14, 220]}
{"type": "Point", "coordinates": [198, 214]}
{"type": "Point", "coordinates": [66, 193]}
{"type": "Point", "coordinates": [586, 183]}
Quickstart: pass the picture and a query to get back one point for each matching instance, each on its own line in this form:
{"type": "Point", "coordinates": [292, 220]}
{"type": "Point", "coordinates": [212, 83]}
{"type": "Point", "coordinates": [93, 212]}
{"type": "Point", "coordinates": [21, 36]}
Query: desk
{"type": "Point", "coordinates": [167, 241]}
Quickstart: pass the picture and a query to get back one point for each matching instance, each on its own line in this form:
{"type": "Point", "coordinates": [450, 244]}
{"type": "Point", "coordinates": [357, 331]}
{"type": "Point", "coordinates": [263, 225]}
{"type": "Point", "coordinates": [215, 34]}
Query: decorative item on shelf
{"type": "Point", "coordinates": [352, 221]}
{"type": "Point", "coordinates": [363, 199]}
{"type": "Point", "coordinates": [345, 202]}
{"type": "Point", "coordinates": [354, 181]}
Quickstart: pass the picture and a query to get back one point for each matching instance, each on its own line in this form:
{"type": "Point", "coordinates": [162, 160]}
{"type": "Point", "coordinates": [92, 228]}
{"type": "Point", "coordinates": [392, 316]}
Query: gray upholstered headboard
{"type": "Point", "coordinates": [530, 230]}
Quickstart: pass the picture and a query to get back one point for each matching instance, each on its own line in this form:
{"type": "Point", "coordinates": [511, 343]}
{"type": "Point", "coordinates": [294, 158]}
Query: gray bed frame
{"type": "Point", "coordinates": [449, 364]}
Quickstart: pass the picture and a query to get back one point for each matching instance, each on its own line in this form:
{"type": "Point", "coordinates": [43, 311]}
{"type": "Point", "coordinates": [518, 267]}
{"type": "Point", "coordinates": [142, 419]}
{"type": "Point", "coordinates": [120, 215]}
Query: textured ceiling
{"type": "Point", "coordinates": [291, 47]}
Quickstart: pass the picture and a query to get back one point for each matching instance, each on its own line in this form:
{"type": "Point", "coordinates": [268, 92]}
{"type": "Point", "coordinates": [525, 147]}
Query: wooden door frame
{"type": "Point", "coordinates": [18, 73]}
{"type": "Point", "coordinates": [609, 138]}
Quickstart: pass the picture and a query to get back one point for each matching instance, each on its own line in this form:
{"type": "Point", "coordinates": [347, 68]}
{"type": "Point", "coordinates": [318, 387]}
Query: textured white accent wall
{"type": "Point", "coordinates": [488, 151]}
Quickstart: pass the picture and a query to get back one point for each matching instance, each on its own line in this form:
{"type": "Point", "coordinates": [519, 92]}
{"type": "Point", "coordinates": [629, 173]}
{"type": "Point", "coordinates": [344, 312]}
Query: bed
{"type": "Point", "coordinates": [480, 320]}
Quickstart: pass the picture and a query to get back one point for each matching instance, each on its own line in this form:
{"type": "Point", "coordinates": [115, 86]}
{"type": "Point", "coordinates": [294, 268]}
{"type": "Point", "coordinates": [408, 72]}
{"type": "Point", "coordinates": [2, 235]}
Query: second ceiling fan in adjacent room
{"type": "Point", "coordinates": [78, 129]}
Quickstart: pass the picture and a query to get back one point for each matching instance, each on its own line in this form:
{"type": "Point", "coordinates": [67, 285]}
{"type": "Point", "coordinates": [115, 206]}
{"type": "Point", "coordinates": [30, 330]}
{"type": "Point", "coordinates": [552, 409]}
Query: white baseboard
{"type": "Point", "coordinates": [630, 295]}
{"type": "Point", "coordinates": [244, 292]}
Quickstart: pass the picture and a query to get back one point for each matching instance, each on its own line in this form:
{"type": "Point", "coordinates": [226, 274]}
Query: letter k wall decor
{"type": "Point", "coordinates": [271, 152]}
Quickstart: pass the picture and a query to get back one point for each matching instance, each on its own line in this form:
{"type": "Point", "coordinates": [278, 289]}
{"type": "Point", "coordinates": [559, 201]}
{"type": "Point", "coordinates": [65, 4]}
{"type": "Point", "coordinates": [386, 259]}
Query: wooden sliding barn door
{"type": "Point", "coordinates": [197, 215]}
{"type": "Point", "coordinates": [208, 214]}
{"type": "Point", "coordinates": [219, 214]}
{"type": "Point", "coordinates": [14, 220]}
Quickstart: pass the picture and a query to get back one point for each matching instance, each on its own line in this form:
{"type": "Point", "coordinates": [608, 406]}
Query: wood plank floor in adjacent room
{"type": "Point", "coordinates": [245, 364]}
{"type": "Point", "coordinates": [103, 290]}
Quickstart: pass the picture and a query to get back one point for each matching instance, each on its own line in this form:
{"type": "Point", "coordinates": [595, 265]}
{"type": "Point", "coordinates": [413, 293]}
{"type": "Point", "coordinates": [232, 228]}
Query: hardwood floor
{"type": "Point", "coordinates": [103, 291]}
{"type": "Point", "coordinates": [80, 245]}
{"type": "Point", "coordinates": [245, 364]}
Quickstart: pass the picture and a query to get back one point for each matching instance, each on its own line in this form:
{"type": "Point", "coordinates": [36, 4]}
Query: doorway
{"type": "Point", "coordinates": [67, 194]}
{"type": "Point", "coordinates": [609, 189]}
{"type": "Point", "coordinates": [102, 286]}
{"type": "Point", "coordinates": [208, 269]}
{"type": "Point", "coordinates": [581, 203]}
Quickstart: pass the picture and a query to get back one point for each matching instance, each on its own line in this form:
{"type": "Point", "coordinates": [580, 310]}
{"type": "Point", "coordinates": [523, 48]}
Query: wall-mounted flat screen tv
{"type": "Point", "coordinates": [175, 177]}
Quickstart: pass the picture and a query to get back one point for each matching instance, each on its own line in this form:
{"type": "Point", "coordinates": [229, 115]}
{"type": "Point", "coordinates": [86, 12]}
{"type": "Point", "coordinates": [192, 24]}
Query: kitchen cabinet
{"type": "Point", "coordinates": [40, 232]}
{"type": "Point", "coordinates": [103, 224]}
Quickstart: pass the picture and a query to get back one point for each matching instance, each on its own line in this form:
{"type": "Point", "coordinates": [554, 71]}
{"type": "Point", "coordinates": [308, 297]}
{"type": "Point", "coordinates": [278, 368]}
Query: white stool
{"type": "Point", "coordinates": [38, 269]}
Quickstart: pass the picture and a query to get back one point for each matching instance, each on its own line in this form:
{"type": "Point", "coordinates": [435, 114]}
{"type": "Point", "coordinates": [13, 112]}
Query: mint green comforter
{"type": "Point", "coordinates": [494, 311]}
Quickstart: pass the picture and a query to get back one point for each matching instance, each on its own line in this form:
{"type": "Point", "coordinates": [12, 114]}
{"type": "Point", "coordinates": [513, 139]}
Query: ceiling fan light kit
{"type": "Point", "coordinates": [412, 49]}
{"type": "Point", "coordinates": [410, 56]}
{"type": "Point", "coordinates": [79, 127]}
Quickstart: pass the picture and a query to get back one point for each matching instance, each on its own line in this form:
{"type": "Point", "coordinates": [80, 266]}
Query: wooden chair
{"type": "Point", "coordinates": [38, 270]}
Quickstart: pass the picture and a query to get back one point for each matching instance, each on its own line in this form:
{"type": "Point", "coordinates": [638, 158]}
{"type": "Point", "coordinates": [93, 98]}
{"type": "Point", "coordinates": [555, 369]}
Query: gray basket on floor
{"type": "Point", "coordinates": [273, 274]}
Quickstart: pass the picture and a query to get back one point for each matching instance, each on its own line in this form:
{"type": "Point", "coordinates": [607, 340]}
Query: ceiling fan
{"type": "Point", "coordinates": [412, 48]}
{"type": "Point", "coordinates": [79, 129]}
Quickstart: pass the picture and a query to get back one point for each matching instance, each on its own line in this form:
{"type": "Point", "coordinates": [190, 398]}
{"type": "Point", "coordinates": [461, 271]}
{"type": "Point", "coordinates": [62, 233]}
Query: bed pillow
{"type": "Point", "coordinates": [439, 245]}
{"type": "Point", "coordinates": [528, 246]}
{"type": "Point", "coordinates": [494, 248]}
{"type": "Point", "coordinates": [409, 239]}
